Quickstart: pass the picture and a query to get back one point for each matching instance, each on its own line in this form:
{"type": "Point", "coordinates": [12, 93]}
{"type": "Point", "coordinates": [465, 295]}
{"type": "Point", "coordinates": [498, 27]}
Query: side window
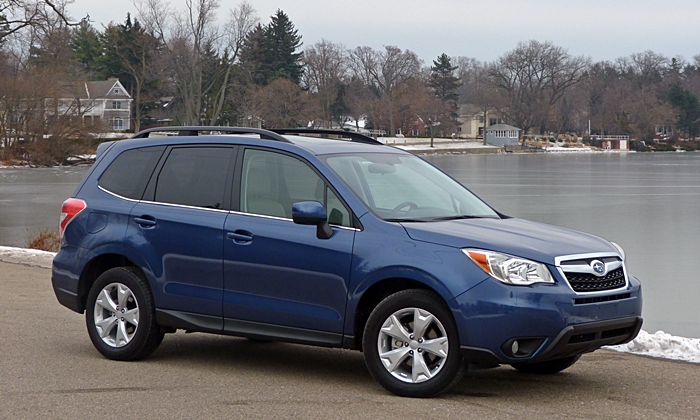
{"type": "Point", "coordinates": [273, 182]}
{"type": "Point", "coordinates": [129, 173]}
{"type": "Point", "coordinates": [337, 213]}
{"type": "Point", "coordinates": [194, 176]}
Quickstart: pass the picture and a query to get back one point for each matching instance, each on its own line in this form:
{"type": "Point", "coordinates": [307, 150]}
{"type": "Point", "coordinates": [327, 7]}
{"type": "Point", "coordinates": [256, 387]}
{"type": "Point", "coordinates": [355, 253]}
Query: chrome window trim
{"type": "Point", "coordinates": [184, 206]}
{"type": "Point", "coordinates": [598, 255]}
{"type": "Point", "coordinates": [100, 187]}
{"type": "Point", "coordinates": [286, 219]}
{"type": "Point", "coordinates": [160, 203]}
{"type": "Point", "coordinates": [216, 210]}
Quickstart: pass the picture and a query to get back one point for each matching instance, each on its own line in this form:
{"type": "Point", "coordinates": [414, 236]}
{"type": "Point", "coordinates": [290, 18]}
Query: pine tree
{"type": "Point", "coordinates": [443, 80]}
{"type": "Point", "coordinates": [255, 56]}
{"type": "Point", "coordinates": [284, 41]}
{"type": "Point", "coordinates": [688, 108]}
{"type": "Point", "coordinates": [270, 52]}
{"type": "Point", "coordinates": [445, 84]}
{"type": "Point", "coordinates": [85, 42]}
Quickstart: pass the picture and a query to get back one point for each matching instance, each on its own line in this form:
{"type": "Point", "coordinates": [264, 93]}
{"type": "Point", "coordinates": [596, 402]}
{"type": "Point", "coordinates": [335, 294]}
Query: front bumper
{"type": "Point", "coordinates": [547, 321]}
{"type": "Point", "coordinates": [571, 341]}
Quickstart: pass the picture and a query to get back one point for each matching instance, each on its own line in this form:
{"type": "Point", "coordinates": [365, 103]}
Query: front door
{"type": "Point", "coordinates": [278, 273]}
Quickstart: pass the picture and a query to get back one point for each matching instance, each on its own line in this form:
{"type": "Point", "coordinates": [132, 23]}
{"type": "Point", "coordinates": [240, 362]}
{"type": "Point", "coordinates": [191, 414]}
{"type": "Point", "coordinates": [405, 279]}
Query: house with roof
{"type": "Point", "coordinates": [107, 102]}
{"type": "Point", "coordinates": [503, 135]}
{"type": "Point", "coordinates": [471, 119]}
{"type": "Point", "coordinates": [103, 103]}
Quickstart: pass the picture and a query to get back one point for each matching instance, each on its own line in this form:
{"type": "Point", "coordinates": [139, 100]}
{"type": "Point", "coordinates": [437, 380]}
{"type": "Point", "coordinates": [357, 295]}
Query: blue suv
{"type": "Point", "coordinates": [329, 238]}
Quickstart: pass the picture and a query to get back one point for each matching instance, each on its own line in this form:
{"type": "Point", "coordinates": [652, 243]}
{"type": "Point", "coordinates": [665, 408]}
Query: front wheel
{"type": "Point", "coordinates": [411, 344]}
{"type": "Point", "coordinates": [548, 367]}
{"type": "Point", "coordinates": [120, 315]}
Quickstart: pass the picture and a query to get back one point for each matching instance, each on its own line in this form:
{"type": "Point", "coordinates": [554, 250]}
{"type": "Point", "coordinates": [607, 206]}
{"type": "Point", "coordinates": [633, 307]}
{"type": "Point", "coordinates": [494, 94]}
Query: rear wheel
{"type": "Point", "coordinates": [548, 367]}
{"type": "Point", "coordinates": [411, 344]}
{"type": "Point", "coordinates": [120, 315]}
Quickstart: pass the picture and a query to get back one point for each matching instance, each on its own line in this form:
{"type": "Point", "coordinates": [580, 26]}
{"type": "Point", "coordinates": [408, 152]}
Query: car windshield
{"type": "Point", "coordinates": [406, 188]}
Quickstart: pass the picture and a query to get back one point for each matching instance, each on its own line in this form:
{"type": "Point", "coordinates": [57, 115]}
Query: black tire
{"type": "Point", "coordinates": [111, 330]}
{"type": "Point", "coordinates": [403, 307]}
{"type": "Point", "coordinates": [547, 368]}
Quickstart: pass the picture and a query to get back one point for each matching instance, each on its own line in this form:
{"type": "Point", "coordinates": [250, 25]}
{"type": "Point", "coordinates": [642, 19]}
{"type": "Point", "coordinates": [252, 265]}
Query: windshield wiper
{"type": "Point", "coordinates": [457, 217]}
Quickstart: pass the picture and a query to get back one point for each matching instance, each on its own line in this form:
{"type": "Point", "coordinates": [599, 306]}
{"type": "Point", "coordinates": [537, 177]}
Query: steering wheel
{"type": "Point", "coordinates": [410, 204]}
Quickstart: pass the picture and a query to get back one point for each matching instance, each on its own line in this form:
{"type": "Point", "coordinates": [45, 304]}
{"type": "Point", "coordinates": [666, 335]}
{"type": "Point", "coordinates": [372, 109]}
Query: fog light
{"type": "Point", "coordinates": [515, 347]}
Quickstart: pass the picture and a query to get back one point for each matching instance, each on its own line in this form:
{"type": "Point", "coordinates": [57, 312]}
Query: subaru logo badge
{"type": "Point", "coordinates": [598, 267]}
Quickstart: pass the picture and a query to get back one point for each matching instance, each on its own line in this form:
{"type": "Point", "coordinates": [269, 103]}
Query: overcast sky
{"type": "Point", "coordinates": [484, 29]}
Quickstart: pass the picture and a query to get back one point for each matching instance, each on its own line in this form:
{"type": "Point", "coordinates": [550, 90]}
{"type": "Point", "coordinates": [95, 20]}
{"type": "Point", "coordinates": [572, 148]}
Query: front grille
{"type": "Point", "coordinates": [584, 282]}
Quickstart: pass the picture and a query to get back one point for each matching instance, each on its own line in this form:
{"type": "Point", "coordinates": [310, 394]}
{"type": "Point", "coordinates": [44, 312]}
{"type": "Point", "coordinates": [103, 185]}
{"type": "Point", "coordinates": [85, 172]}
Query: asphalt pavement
{"type": "Point", "coordinates": [49, 369]}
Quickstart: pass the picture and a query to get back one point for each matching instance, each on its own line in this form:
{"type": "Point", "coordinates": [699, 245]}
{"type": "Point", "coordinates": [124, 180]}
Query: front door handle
{"type": "Point", "coordinates": [240, 236]}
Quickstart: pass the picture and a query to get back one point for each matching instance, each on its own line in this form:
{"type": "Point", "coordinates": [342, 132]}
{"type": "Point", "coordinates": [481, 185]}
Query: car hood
{"type": "Point", "coordinates": [522, 238]}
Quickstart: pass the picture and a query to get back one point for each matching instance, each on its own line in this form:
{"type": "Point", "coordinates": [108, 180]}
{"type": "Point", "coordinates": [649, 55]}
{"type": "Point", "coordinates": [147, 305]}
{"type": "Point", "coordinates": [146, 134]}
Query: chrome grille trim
{"type": "Point", "coordinates": [580, 271]}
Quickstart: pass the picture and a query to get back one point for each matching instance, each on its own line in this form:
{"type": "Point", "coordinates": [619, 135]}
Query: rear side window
{"type": "Point", "coordinates": [129, 173]}
{"type": "Point", "coordinates": [194, 176]}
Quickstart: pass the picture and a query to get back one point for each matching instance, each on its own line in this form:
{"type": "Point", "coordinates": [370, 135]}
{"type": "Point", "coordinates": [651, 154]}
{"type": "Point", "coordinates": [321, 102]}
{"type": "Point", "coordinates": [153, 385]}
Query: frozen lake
{"type": "Point", "coordinates": [647, 203]}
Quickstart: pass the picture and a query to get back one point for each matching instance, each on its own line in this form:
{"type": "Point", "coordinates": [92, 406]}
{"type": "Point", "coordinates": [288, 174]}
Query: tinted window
{"type": "Point", "coordinates": [129, 173]}
{"type": "Point", "coordinates": [194, 176]}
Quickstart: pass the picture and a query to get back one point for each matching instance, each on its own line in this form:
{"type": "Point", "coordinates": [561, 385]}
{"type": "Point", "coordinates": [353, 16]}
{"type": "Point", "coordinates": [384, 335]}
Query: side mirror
{"type": "Point", "coordinates": [312, 213]}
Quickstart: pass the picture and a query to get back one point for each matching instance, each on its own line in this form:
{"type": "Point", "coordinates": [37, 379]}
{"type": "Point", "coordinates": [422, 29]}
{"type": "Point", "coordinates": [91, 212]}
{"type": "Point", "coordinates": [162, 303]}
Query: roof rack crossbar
{"type": "Point", "coordinates": [352, 135]}
{"type": "Point", "coordinates": [195, 130]}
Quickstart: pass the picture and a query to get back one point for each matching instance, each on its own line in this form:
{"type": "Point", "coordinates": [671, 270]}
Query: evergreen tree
{"type": "Point", "coordinates": [445, 85]}
{"type": "Point", "coordinates": [284, 41]}
{"type": "Point", "coordinates": [443, 80]}
{"type": "Point", "coordinates": [688, 108]}
{"type": "Point", "coordinates": [255, 56]}
{"type": "Point", "coordinates": [269, 52]}
{"type": "Point", "coordinates": [130, 53]}
{"type": "Point", "coordinates": [87, 49]}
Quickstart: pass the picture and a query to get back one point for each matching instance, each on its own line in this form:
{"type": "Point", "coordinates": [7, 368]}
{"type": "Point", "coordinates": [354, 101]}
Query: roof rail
{"type": "Point", "coordinates": [324, 133]}
{"type": "Point", "coordinates": [194, 130]}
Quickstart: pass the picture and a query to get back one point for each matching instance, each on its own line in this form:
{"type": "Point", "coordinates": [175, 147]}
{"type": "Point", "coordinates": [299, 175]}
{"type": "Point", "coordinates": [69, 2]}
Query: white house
{"type": "Point", "coordinates": [108, 102]}
{"type": "Point", "coordinates": [99, 102]}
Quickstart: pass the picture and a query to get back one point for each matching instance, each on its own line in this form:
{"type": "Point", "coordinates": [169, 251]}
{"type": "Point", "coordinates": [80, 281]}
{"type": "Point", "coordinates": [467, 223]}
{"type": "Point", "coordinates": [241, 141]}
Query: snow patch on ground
{"type": "Point", "coordinates": [663, 345]}
{"type": "Point", "coordinates": [31, 257]}
{"type": "Point", "coordinates": [660, 344]}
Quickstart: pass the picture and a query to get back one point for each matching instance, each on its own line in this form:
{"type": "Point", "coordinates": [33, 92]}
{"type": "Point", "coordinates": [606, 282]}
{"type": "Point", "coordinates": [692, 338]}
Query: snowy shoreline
{"type": "Point", "coordinates": [659, 344]}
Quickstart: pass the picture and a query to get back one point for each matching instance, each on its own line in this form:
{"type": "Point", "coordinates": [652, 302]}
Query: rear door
{"type": "Point", "coordinates": [278, 273]}
{"type": "Point", "coordinates": [178, 228]}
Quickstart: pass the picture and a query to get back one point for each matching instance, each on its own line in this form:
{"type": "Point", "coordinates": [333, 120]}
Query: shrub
{"type": "Point", "coordinates": [45, 241]}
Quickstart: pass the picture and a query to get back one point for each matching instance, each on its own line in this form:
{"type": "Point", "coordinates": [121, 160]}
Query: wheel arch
{"type": "Point", "coordinates": [375, 293]}
{"type": "Point", "coordinates": [94, 268]}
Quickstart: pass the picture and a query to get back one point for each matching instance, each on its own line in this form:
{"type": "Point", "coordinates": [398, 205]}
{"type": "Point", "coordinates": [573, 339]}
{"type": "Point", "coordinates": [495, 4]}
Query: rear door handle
{"type": "Point", "coordinates": [240, 236]}
{"type": "Point", "coordinates": [145, 221]}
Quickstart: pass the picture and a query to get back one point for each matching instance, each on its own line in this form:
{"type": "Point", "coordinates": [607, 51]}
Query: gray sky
{"type": "Point", "coordinates": [485, 30]}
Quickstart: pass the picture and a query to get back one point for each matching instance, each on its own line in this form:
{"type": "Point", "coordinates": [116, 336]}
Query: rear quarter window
{"type": "Point", "coordinates": [129, 173]}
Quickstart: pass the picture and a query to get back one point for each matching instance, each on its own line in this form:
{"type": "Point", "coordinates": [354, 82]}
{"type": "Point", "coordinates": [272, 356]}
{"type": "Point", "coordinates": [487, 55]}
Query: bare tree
{"type": "Point", "coordinates": [185, 36]}
{"type": "Point", "coordinates": [384, 71]}
{"type": "Point", "coordinates": [283, 103]}
{"type": "Point", "coordinates": [241, 21]}
{"type": "Point", "coordinates": [16, 15]}
{"type": "Point", "coordinates": [325, 66]}
{"type": "Point", "coordinates": [477, 88]}
{"type": "Point", "coordinates": [533, 77]}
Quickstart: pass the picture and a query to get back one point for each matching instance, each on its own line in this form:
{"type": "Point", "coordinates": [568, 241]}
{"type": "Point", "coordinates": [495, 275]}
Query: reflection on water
{"type": "Point", "coordinates": [647, 203]}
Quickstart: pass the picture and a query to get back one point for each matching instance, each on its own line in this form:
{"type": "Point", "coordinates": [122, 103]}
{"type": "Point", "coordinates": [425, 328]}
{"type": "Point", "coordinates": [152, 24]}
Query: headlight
{"type": "Point", "coordinates": [620, 250]}
{"type": "Point", "coordinates": [509, 269]}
